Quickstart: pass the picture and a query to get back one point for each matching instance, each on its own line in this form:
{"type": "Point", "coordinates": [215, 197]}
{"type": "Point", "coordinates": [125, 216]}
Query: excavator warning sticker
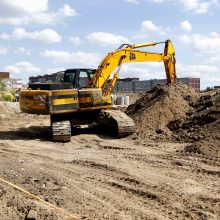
{"type": "Point", "coordinates": [40, 98]}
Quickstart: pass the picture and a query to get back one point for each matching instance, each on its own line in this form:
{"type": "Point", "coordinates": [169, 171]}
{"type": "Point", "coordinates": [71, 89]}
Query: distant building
{"type": "Point", "coordinates": [128, 79]}
{"type": "Point", "coordinates": [4, 75]}
{"type": "Point", "coordinates": [10, 82]}
{"type": "Point", "coordinates": [124, 85]}
{"type": "Point", "coordinates": [216, 87]}
{"type": "Point", "coordinates": [190, 81]}
{"type": "Point", "coordinates": [13, 83]}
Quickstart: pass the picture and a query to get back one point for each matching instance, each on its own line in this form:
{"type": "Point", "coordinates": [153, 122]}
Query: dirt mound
{"type": "Point", "coordinates": [177, 112]}
{"type": "Point", "coordinates": [202, 126]}
{"type": "Point", "coordinates": [158, 107]}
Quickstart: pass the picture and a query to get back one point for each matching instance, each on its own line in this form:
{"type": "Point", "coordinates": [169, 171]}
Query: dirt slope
{"type": "Point", "coordinates": [202, 125]}
{"type": "Point", "coordinates": [177, 112]}
{"type": "Point", "coordinates": [164, 103]}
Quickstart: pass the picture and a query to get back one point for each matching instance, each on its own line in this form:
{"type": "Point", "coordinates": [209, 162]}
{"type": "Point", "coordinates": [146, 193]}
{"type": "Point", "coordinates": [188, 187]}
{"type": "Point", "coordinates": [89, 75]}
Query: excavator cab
{"type": "Point", "coordinates": [79, 77]}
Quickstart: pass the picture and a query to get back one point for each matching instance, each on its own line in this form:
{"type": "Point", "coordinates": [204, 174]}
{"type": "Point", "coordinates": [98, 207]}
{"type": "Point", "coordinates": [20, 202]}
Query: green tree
{"type": "Point", "coordinates": [2, 86]}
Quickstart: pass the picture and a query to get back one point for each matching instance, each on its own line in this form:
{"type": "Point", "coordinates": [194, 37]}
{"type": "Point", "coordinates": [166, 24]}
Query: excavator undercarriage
{"type": "Point", "coordinates": [113, 122]}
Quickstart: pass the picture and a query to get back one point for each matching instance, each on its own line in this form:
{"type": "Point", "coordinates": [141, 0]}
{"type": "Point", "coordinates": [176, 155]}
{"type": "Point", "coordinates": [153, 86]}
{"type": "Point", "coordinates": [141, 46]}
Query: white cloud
{"type": "Point", "coordinates": [150, 26]}
{"type": "Point", "coordinates": [143, 70]}
{"type": "Point", "coordinates": [208, 48]}
{"type": "Point", "coordinates": [136, 2]}
{"type": "Point", "coordinates": [215, 80]}
{"type": "Point", "coordinates": [24, 12]}
{"type": "Point", "coordinates": [104, 39]}
{"type": "Point", "coordinates": [22, 69]}
{"type": "Point", "coordinates": [22, 50]}
{"type": "Point", "coordinates": [185, 39]}
{"type": "Point", "coordinates": [147, 28]}
{"type": "Point", "coordinates": [11, 8]}
{"type": "Point", "coordinates": [46, 35]}
{"type": "Point", "coordinates": [77, 59]}
{"type": "Point", "coordinates": [67, 11]}
{"type": "Point", "coordinates": [54, 70]}
{"type": "Point", "coordinates": [75, 40]}
{"type": "Point", "coordinates": [186, 26]}
{"type": "Point", "coordinates": [160, 1]}
{"type": "Point", "coordinates": [139, 70]}
{"type": "Point", "coordinates": [197, 70]}
{"type": "Point", "coordinates": [206, 44]}
{"type": "Point", "coordinates": [3, 50]}
{"type": "Point", "coordinates": [208, 74]}
{"type": "Point", "coordinates": [215, 59]}
{"type": "Point", "coordinates": [198, 6]}
{"type": "Point", "coordinates": [140, 36]}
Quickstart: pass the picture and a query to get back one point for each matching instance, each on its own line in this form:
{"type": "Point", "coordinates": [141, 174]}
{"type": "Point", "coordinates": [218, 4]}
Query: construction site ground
{"type": "Point", "coordinates": [96, 176]}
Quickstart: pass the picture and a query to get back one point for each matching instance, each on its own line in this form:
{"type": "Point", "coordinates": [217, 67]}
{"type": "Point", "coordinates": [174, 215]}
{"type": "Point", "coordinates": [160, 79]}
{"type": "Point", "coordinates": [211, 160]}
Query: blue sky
{"type": "Point", "coordinates": [44, 36]}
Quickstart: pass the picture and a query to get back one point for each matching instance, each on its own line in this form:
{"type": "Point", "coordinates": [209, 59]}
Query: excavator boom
{"type": "Point", "coordinates": [129, 54]}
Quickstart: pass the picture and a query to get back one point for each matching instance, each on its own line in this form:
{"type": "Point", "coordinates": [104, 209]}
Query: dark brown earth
{"type": "Point", "coordinates": [178, 113]}
{"type": "Point", "coordinates": [154, 174]}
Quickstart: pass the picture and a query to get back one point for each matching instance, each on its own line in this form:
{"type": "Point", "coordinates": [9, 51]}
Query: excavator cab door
{"type": "Point", "coordinates": [83, 79]}
{"type": "Point", "coordinates": [85, 75]}
{"type": "Point", "coordinates": [70, 76]}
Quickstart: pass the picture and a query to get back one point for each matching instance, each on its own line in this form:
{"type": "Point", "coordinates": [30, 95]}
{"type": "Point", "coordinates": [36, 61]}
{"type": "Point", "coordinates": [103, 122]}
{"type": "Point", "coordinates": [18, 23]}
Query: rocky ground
{"type": "Point", "coordinates": [162, 172]}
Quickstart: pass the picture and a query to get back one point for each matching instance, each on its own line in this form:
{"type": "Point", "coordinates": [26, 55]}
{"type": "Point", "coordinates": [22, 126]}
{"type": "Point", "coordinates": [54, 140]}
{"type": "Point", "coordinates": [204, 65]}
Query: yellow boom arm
{"type": "Point", "coordinates": [129, 54]}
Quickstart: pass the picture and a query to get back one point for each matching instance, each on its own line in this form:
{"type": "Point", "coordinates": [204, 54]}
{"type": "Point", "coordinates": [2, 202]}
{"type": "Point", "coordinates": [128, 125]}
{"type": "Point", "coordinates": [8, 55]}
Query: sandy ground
{"type": "Point", "coordinates": [98, 177]}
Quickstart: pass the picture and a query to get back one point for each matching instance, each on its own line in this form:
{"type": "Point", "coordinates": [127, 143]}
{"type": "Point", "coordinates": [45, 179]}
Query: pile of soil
{"type": "Point", "coordinates": [177, 112]}
{"type": "Point", "coordinates": [201, 128]}
{"type": "Point", "coordinates": [159, 106]}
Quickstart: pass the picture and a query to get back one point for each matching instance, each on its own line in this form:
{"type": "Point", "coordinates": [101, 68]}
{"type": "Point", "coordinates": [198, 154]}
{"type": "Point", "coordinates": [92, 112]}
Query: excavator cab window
{"type": "Point", "coordinates": [70, 76]}
{"type": "Point", "coordinates": [79, 78]}
{"type": "Point", "coordinates": [59, 77]}
{"type": "Point", "coordinates": [83, 79]}
{"type": "Point", "coordinates": [85, 76]}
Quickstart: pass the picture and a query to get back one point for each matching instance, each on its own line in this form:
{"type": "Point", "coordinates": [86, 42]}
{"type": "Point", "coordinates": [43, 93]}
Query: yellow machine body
{"type": "Point", "coordinates": [62, 101]}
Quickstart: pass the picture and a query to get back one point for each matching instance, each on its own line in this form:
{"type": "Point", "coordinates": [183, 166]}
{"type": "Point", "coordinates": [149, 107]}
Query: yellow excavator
{"type": "Point", "coordinates": [84, 95]}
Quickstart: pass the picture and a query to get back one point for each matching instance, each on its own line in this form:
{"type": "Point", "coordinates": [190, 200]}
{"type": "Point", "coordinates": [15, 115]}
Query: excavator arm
{"type": "Point", "coordinates": [128, 54]}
